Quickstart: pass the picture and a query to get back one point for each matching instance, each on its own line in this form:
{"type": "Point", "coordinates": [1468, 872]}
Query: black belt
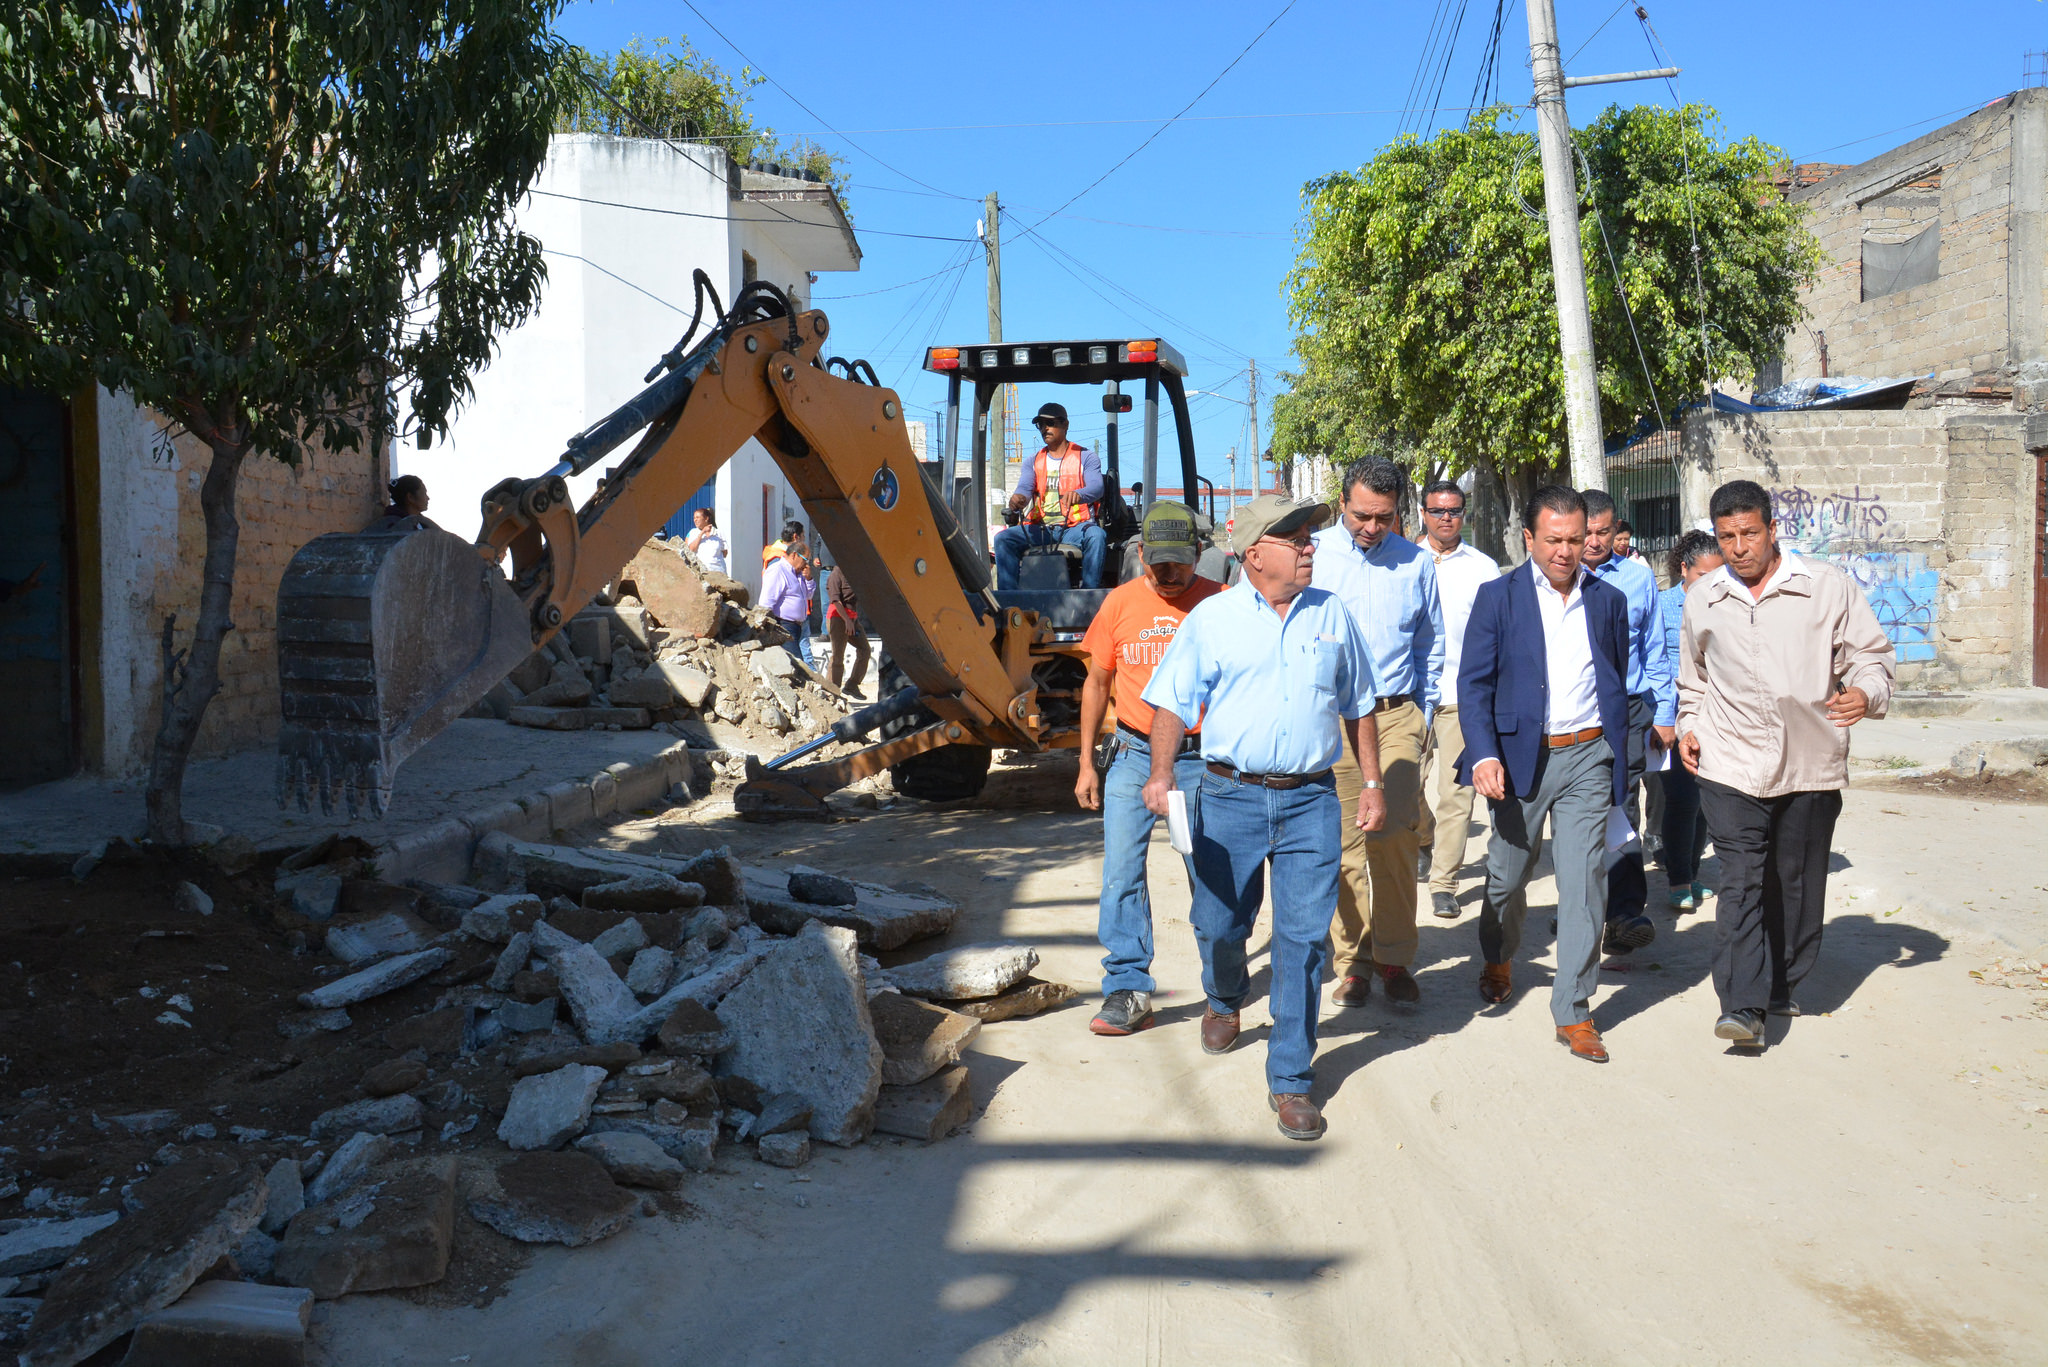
{"type": "Point", "coordinates": [1389, 704]}
{"type": "Point", "coordinates": [1278, 781]}
{"type": "Point", "coordinates": [1189, 745]}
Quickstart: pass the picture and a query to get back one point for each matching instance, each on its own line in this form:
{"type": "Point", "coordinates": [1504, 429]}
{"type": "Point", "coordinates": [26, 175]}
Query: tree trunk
{"type": "Point", "coordinates": [192, 676]}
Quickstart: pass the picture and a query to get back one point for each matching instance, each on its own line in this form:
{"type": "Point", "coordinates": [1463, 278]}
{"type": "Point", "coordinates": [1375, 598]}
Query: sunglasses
{"type": "Point", "coordinates": [1444, 513]}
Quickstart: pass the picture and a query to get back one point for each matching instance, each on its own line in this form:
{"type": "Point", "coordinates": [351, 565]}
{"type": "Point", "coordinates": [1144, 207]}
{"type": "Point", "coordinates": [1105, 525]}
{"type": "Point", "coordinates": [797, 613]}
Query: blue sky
{"type": "Point", "coordinates": [1192, 238]}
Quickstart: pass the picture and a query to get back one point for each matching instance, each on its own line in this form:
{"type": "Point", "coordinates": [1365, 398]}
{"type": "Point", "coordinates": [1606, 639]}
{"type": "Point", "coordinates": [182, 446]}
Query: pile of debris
{"type": "Point", "coordinates": [547, 1054]}
{"type": "Point", "coordinates": [671, 641]}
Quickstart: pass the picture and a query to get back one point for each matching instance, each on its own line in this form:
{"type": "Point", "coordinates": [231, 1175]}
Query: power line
{"type": "Point", "coordinates": [1105, 123]}
{"type": "Point", "coordinates": [1871, 137]}
{"type": "Point", "coordinates": [727, 218]}
{"type": "Point", "coordinates": [1228, 68]}
{"type": "Point", "coordinates": [1597, 32]}
{"type": "Point", "coordinates": [886, 289]}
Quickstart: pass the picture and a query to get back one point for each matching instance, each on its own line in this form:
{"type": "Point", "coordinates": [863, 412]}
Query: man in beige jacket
{"type": "Point", "coordinates": [1778, 656]}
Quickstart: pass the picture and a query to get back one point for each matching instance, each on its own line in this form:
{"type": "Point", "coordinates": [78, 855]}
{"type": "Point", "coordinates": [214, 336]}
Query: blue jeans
{"type": "Point", "coordinates": [1125, 922]}
{"type": "Point", "coordinates": [1239, 827]}
{"type": "Point", "coordinates": [801, 629]}
{"type": "Point", "coordinates": [1011, 541]}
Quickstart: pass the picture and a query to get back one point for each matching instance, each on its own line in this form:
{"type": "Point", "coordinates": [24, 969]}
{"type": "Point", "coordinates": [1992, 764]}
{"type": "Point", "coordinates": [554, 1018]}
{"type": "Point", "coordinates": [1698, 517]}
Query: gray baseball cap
{"type": "Point", "coordinates": [1168, 535]}
{"type": "Point", "coordinates": [1276, 515]}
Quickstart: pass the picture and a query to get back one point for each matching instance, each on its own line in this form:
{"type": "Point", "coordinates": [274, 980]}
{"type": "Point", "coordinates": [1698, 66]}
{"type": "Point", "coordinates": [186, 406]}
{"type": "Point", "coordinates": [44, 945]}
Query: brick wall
{"type": "Point", "coordinates": [1923, 509]}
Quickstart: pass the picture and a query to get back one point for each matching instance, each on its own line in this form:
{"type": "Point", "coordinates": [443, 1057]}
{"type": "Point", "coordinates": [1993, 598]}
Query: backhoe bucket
{"type": "Point", "coordinates": [383, 638]}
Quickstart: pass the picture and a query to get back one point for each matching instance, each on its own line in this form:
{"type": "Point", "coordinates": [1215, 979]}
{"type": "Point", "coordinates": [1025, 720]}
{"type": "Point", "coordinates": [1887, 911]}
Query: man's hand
{"type": "Point", "coordinates": [1665, 736]}
{"type": "Point", "coordinates": [1848, 707]}
{"type": "Point", "coordinates": [1017, 502]}
{"type": "Point", "coordinates": [1372, 809]}
{"type": "Point", "coordinates": [1088, 787]}
{"type": "Point", "coordinates": [1156, 789]}
{"type": "Point", "coordinates": [1490, 780]}
{"type": "Point", "coordinates": [1689, 752]}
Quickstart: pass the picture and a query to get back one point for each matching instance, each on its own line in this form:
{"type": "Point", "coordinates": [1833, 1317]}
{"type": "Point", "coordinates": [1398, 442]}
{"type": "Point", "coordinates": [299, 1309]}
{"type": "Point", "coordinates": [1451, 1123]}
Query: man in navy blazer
{"type": "Point", "coordinates": [1542, 690]}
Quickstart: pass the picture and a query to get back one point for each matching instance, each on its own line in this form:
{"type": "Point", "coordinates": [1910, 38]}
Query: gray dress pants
{"type": "Point", "coordinates": [1575, 789]}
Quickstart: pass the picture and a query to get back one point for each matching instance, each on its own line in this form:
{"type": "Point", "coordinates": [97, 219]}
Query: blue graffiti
{"type": "Point", "coordinates": [1849, 530]}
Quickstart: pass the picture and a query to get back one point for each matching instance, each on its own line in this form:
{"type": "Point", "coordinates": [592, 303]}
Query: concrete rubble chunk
{"type": "Point", "coordinates": [690, 684]}
{"type": "Point", "coordinates": [581, 718]}
{"type": "Point", "coordinates": [781, 1113]}
{"type": "Point", "coordinates": [511, 961]}
{"type": "Point", "coordinates": [649, 690]}
{"type": "Point", "coordinates": [391, 1077]}
{"type": "Point", "coordinates": [707, 985]}
{"type": "Point", "coordinates": [884, 918]}
{"type": "Point", "coordinates": [36, 1245]}
{"type": "Point", "coordinates": [692, 1030]}
{"type": "Point", "coordinates": [551, 870]}
{"type": "Point", "coordinates": [552, 1198]}
{"type": "Point", "coordinates": [650, 971]}
{"type": "Point", "coordinates": [189, 1217]}
{"type": "Point", "coordinates": [375, 981]}
{"type": "Point", "coordinates": [523, 1018]}
{"type": "Point", "coordinates": [1029, 997]}
{"type": "Point", "coordinates": [191, 899]}
{"type": "Point", "coordinates": [633, 1160]}
{"type": "Point", "coordinates": [691, 1140]}
{"type": "Point", "coordinates": [820, 888]}
{"type": "Point", "coordinates": [373, 937]}
{"type": "Point", "coordinates": [927, 1110]}
{"type": "Point", "coordinates": [403, 1239]}
{"type": "Point", "coordinates": [627, 937]}
{"type": "Point", "coordinates": [800, 1024]}
{"type": "Point", "coordinates": [787, 1150]}
{"type": "Point", "coordinates": [547, 1110]}
{"type": "Point", "coordinates": [720, 874]}
{"type": "Point", "coordinates": [255, 1256]}
{"type": "Point", "coordinates": [144, 1122]}
{"type": "Point", "coordinates": [644, 892]}
{"type": "Point", "coordinates": [610, 1057]}
{"type": "Point", "coordinates": [964, 974]}
{"type": "Point", "coordinates": [2003, 758]}
{"type": "Point", "coordinates": [303, 1024]}
{"type": "Point", "coordinates": [598, 1002]}
{"type": "Point", "coordinates": [286, 1196]}
{"type": "Point", "coordinates": [349, 1165]}
{"type": "Point", "coordinates": [373, 1115]}
{"type": "Point", "coordinates": [918, 1038]}
{"type": "Point", "coordinates": [497, 919]}
{"type": "Point", "coordinates": [226, 1324]}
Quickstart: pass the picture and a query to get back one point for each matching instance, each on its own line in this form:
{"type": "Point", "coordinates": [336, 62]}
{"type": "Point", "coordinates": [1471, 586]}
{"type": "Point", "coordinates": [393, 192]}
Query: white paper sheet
{"type": "Point", "coordinates": [1620, 835]}
{"type": "Point", "coordinates": [1178, 833]}
{"type": "Point", "coordinates": [1656, 759]}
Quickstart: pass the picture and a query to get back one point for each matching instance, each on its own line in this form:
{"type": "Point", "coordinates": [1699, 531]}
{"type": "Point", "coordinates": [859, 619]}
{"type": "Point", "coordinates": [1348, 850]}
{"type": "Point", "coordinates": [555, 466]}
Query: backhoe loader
{"type": "Point", "coordinates": [387, 635]}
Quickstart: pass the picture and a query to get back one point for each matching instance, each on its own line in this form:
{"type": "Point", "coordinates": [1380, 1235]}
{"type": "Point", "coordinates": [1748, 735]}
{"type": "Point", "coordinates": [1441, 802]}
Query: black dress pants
{"type": "Point", "coordinates": [1773, 889]}
{"type": "Point", "coordinates": [1628, 889]}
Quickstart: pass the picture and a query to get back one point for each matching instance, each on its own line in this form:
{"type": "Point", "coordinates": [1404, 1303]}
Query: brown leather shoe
{"type": "Point", "coordinates": [1496, 983]}
{"type": "Point", "coordinates": [1353, 991]}
{"type": "Point", "coordinates": [1218, 1032]}
{"type": "Point", "coordinates": [1584, 1041]}
{"type": "Point", "coordinates": [1300, 1118]}
{"type": "Point", "coordinates": [1399, 984]}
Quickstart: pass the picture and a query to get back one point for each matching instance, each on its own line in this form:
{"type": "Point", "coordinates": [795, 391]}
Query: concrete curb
{"type": "Point", "coordinates": [444, 851]}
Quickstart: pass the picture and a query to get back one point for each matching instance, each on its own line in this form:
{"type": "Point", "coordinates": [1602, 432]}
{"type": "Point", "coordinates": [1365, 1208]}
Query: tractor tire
{"type": "Point", "coordinates": [941, 775]}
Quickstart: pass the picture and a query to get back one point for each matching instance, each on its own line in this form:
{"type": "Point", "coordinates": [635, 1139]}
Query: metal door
{"type": "Point", "coordinates": [37, 735]}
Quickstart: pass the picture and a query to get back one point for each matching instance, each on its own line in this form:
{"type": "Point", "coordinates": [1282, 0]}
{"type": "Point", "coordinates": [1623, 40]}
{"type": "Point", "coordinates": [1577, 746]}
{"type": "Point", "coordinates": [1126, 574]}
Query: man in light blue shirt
{"type": "Point", "coordinates": [1388, 584]}
{"type": "Point", "coordinates": [1652, 708]}
{"type": "Point", "coordinates": [1277, 674]}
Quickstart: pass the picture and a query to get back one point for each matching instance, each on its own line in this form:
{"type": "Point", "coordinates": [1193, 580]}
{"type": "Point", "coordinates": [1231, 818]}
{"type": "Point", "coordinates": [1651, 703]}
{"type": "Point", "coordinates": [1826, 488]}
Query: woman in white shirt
{"type": "Point", "coordinates": [707, 543]}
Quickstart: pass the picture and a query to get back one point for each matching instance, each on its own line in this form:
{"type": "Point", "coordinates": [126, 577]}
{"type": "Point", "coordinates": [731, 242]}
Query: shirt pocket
{"type": "Point", "coordinates": [1327, 660]}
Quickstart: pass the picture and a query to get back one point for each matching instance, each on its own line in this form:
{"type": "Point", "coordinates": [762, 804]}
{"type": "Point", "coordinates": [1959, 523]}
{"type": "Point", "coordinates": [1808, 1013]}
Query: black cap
{"type": "Point", "coordinates": [1051, 412]}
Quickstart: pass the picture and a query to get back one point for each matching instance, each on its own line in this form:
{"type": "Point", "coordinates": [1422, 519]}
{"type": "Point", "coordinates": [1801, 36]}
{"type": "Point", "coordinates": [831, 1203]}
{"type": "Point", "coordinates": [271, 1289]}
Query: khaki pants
{"type": "Point", "coordinates": [1376, 888]}
{"type": "Point", "coordinates": [1447, 818]}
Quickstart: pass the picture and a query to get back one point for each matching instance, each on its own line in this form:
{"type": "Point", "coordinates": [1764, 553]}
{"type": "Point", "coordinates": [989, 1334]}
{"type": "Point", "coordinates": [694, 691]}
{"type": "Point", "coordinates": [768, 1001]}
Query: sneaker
{"type": "Point", "coordinates": [1785, 1006]}
{"type": "Point", "coordinates": [1398, 983]}
{"type": "Point", "coordinates": [1625, 933]}
{"type": "Point", "coordinates": [1700, 893]}
{"type": "Point", "coordinates": [1680, 897]}
{"type": "Point", "coordinates": [1422, 863]}
{"type": "Point", "coordinates": [1444, 904]}
{"type": "Point", "coordinates": [1124, 1012]}
{"type": "Point", "coordinates": [1744, 1029]}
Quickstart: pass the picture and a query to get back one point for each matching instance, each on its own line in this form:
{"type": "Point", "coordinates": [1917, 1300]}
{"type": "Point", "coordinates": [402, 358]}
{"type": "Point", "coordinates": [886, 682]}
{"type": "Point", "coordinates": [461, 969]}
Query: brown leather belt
{"type": "Point", "coordinates": [1279, 781]}
{"type": "Point", "coordinates": [1571, 738]}
{"type": "Point", "coordinates": [1389, 704]}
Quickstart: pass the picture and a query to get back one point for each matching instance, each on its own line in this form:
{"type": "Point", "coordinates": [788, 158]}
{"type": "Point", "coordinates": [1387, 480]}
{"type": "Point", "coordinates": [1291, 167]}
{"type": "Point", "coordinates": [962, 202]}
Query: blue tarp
{"type": "Point", "coordinates": [1844, 391]}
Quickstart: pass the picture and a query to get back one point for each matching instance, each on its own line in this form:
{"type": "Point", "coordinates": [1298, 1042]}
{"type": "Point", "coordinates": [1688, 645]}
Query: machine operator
{"type": "Point", "coordinates": [1058, 492]}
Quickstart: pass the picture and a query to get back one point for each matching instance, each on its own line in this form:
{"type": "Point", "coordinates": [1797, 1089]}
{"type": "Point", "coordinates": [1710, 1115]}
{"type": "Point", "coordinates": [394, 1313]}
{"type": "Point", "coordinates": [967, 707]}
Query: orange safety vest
{"type": "Point", "coordinates": [1052, 501]}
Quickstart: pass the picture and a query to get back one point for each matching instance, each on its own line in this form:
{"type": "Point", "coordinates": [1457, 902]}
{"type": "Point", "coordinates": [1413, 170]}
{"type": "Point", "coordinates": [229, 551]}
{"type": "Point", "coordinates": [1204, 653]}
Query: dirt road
{"type": "Point", "coordinates": [1869, 1190]}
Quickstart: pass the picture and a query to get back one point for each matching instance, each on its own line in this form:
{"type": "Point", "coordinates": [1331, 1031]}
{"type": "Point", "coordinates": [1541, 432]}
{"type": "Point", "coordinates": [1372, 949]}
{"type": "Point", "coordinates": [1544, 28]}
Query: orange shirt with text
{"type": "Point", "coordinates": [1130, 635]}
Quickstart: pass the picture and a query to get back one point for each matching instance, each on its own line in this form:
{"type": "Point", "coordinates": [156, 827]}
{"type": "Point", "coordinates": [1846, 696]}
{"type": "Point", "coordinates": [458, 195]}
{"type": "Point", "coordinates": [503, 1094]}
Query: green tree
{"type": "Point", "coordinates": [274, 224]}
{"type": "Point", "coordinates": [670, 90]}
{"type": "Point", "coordinates": [1423, 302]}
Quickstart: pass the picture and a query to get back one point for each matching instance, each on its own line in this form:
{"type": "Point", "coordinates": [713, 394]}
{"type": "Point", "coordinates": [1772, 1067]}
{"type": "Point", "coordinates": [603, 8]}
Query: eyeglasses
{"type": "Point", "coordinates": [1298, 543]}
{"type": "Point", "coordinates": [1445, 514]}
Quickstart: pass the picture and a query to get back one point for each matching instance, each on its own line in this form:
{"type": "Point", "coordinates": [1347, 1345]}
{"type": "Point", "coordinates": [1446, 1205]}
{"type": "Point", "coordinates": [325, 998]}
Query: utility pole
{"type": "Point", "coordinates": [1232, 508]}
{"type": "Point", "coordinates": [1258, 452]}
{"type": "Point", "coordinates": [992, 240]}
{"type": "Point", "coordinates": [1567, 266]}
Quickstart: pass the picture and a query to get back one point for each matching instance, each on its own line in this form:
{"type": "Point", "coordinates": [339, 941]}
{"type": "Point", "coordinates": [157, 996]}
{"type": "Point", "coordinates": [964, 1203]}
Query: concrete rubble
{"type": "Point", "coordinates": [226, 1324]}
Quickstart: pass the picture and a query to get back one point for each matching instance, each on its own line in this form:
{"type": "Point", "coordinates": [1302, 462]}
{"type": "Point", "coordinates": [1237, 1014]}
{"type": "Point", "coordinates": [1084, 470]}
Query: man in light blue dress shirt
{"type": "Point", "coordinates": [1280, 678]}
{"type": "Point", "coordinates": [1388, 584]}
{"type": "Point", "coordinates": [1652, 710]}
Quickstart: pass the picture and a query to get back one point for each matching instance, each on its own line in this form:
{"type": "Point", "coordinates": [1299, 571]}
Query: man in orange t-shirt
{"type": "Point", "coordinates": [1125, 642]}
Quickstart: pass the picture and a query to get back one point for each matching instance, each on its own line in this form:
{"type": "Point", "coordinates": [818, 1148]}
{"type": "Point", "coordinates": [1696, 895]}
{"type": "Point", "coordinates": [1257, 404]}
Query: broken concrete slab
{"type": "Point", "coordinates": [355, 941]}
{"type": "Point", "coordinates": [580, 718]}
{"type": "Point", "coordinates": [388, 976]}
{"type": "Point", "coordinates": [819, 888]}
{"type": "Point", "coordinates": [882, 917]}
{"type": "Point", "coordinates": [226, 1324]}
{"type": "Point", "coordinates": [650, 971]}
{"type": "Point", "coordinates": [547, 1110]}
{"type": "Point", "coordinates": [927, 1110]}
{"type": "Point", "coordinates": [374, 1115]}
{"type": "Point", "coordinates": [693, 1031]}
{"type": "Point", "coordinates": [786, 1150]}
{"type": "Point", "coordinates": [403, 1239]}
{"type": "Point", "coordinates": [37, 1245]}
{"type": "Point", "coordinates": [187, 1218]}
{"type": "Point", "coordinates": [349, 1165]}
{"type": "Point", "coordinates": [964, 974]}
{"type": "Point", "coordinates": [626, 937]}
{"type": "Point", "coordinates": [141, 1122]}
{"type": "Point", "coordinates": [511, 961]}
{"type": "Point", "coordinates": [523, 1018]}
{"type": "Point", "coordinates": [497, 919]}
{"type": "Point", "coordinates": [800, 1024]}
{"type": "Point", "coordinates": [610, 1057]}
{"type": "Point", "coordinates": [649, 690]}
{"type": "Point", "coordinates": [782, 1113]}
{"type": "Point", "coordinates": [633, 1160]}
{"type": "Point", "coordinates": [1029, 997]}
{"type": "Point", "coordinates": [707, 985]}
{"type": "Point", "coordinates": [691, 685]}
{"type": "Point", "coordinates": [918, 1038]}
{"type": "Point", "coordinates": [552, 1198]}
{"type": "Point", "coordinates": [690, 1139]}
{"type": "Point", "coordinates": [304, 1024]}
{"type": "Point", "coordinates": [285, 1196]}
{"type": "Point", "coordinates": [644, 892]}
{"type": "Point", "coordinates": [552, 870]}
{"type": "Point", "coordinates": [720, 874]}
{"type": "Point", "coordinates": [598, 1001]}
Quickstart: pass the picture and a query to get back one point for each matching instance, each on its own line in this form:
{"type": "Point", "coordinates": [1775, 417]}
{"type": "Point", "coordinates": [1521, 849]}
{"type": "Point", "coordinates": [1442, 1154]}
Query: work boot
{"type": "Point", "coordinates": [1444, 904]}
{"type": "Point", "coordinates": [1300, 1118]}
{"type": "Point", "coordinates": [1422, 865]}
{"type": "Point", "coordinates": [1124, 1012]}
{"type": "Point", "coordinates": [1399, 984]}
{"type": "Point", "coordinates": [1219, 1031]}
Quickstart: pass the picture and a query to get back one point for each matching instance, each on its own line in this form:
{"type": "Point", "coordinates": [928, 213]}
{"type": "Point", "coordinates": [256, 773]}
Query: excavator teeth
{"type": "Point", "coordinates": [384, 637]}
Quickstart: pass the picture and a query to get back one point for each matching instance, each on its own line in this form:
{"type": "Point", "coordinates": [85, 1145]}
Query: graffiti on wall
{"type": "Point", "coordinates": [1849, 530]}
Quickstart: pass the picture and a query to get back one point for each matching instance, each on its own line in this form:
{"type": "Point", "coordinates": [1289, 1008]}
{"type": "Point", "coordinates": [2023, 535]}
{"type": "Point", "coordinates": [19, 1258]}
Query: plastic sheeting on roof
{"type": "Point", "coordinates": [1840, 391]}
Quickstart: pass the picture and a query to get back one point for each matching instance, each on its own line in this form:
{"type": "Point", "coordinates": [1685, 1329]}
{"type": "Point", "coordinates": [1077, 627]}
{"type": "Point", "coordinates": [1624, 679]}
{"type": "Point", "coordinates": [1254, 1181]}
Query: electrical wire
{"type": "Point", "coordinates": [886, 289]}
{"type": "Point", "coordinates": [1946, 114]}
{"type": "Point", "coordinates": [1597, 32]}
{"type": "Point", "coordinates": [727, 218]}
{"type": "Point", "coordinates": [1419, 81]}
{"type": "Point", "coordinates": [1444, 68]}
{"type": "Point", "coordinates": [640, 289]}
{"type": "Point", "coordinates": [1659, 53]}
{"type": "Point", "coordinates": [1487, 82]}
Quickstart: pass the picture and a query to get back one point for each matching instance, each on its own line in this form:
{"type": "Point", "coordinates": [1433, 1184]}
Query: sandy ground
{"type": "Point", "coordinates": [1869, 1190]}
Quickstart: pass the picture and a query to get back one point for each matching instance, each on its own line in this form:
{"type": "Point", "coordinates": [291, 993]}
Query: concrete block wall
{"type": "Point", "coordinates": [1928, 512]}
